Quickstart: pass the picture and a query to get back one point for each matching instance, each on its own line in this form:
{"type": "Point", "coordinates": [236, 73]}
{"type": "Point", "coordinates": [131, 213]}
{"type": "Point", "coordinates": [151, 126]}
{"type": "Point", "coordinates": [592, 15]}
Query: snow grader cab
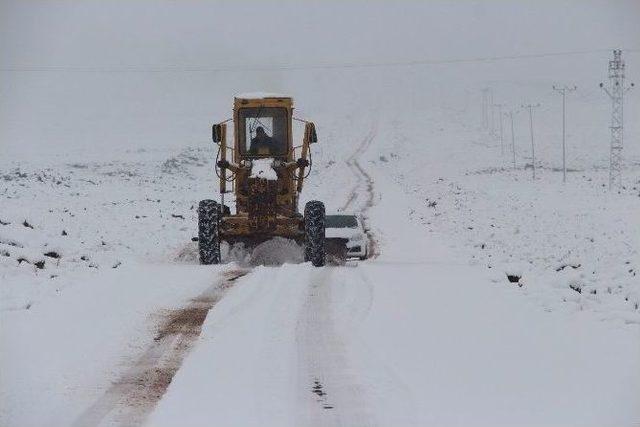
{"type": "Point", "coordinates": [265, 172]}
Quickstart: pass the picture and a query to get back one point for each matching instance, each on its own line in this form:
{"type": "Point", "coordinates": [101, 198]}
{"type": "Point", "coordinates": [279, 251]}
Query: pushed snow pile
{"type": "Point", "coordinates": [261, 168]}
{"type": "Point", "coordinates": [188, 254]}
{"type": "Point", "coordinates": [276, 251]}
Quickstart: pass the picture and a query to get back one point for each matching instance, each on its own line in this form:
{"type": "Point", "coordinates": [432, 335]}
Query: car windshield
{"type": "Point", "coordinates": [341, 221]}
{"type": "Point", "coordinates": [263, 131]}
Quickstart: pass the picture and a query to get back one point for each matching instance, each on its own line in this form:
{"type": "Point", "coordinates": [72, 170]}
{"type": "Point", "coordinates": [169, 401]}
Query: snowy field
{"type": "Point", "coordinates": [491, 299]}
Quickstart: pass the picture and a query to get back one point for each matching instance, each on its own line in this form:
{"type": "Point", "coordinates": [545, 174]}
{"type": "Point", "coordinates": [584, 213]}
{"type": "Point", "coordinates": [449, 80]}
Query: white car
{"type": "Point", "coordinates": [345, 236]}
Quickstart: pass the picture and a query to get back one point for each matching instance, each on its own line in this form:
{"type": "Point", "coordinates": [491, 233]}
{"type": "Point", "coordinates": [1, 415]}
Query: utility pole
{"type": "Point", "coordinates": [513, 141]}
{"type": "Point", "coordinates": [499, 107]}
{"type": "Point", "coordinates": [616, 92]}
{"type": "Point", "coordinates": [530, 107]}
{"type": "Point", "coordinates": [501, 129]}
{"type": "Point", "coordinates": [485, 109]}
{"type": "Point", "coordinates": [563, 90]}
{"type": "Point", "coordinates": [492, 130]}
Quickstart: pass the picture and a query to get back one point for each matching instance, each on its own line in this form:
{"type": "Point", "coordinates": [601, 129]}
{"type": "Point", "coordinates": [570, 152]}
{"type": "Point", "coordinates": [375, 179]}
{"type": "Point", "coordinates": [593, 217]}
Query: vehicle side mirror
{"type": "Point", "coordinates": [216, 133]}
{"type": "Point", "coordinates": [313, 136]}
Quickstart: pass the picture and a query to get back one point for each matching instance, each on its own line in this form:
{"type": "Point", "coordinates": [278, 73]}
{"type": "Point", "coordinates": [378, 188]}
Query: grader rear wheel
{"type": "Point", "coordinates": [208, 237]}
{"type": "Point", "coordinates": [314, 242]}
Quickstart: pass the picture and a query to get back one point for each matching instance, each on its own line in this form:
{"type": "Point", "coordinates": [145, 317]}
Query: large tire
{"type": "Point", "coordinates": [208, 236]}
{"type": "Point", "coordinates": [314, 238]}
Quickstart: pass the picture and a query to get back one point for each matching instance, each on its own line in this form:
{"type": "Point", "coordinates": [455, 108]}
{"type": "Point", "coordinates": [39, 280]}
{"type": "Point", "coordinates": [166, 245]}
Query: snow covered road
{"type": "Point", "coordinates": [398, 344]}
{"type": "Point", "coordinates": [400, 340]}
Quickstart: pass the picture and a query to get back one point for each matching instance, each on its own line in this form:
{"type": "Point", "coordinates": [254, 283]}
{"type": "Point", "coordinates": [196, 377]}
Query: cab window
{"type": "Point", "coordinates": [263, 131]}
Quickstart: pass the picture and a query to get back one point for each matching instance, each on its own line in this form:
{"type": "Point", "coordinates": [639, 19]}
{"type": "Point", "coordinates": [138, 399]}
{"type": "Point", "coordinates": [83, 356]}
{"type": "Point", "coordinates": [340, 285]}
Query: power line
{"type": "Point", "coordinates": [291, 67]}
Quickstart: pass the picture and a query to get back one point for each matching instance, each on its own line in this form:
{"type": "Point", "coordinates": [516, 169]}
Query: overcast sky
{"type": "Point", "coordinates": [208, 33]}
{"type": "Point", "coordinates": [105, 74]}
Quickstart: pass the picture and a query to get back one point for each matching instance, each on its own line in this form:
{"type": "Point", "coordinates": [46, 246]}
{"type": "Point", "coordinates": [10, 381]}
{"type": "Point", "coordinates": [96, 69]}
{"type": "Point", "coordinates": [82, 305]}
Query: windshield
{"type": "Point", "coordinates": [341, 221]}
{"type": "Point", "coordinates": [263, 131]}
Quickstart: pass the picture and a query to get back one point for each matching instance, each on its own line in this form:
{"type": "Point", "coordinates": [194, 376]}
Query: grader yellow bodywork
{"type": "Point", "coordinates": [266, 173]}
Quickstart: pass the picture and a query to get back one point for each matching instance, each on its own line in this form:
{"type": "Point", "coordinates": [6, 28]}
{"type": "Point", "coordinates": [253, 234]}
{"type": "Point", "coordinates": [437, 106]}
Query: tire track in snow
{"type": "Point", "coordinates": [351, 164]}
{"type": "Point", "coordinates": [134, 395]}
{"type": "Point", "coordinates": [364, 184]}
{"type": "Point", "coordinates": [330, 393]}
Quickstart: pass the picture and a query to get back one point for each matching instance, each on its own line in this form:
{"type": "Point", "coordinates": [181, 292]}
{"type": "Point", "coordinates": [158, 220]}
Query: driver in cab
{"type": "Point", "coordinates": [262, 143]}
